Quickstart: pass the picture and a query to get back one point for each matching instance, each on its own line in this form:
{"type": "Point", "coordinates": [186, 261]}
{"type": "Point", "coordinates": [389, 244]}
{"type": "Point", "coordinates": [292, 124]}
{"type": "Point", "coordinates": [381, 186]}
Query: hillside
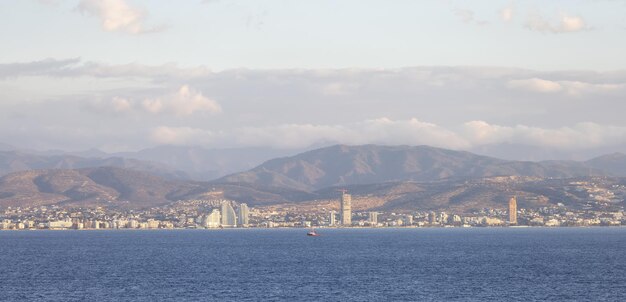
{"type": "Point", "coordinates": [116, 187]}
{"type": "Point", "coordinates": [612, 163]}
{"type": "Point", "coordinates": [369, 164]}
{"type": "Point", "coordinates": [90, 186]}
{"type": "Point", "coordinates": [206, 164]}
{"type": "Point", "coordinates": [14, 161]}
{"type": "Point", "coordinates": [474, 195]}
{"type": "Point", "coordinates": [397, 178]}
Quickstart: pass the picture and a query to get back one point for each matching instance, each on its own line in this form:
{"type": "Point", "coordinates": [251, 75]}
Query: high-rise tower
{"type": "Point", "coordinates": [373, 218]}
{"type": "Point", "coordinates": [513, 210]}
{"type": "Point", "coordinates": [213, 220]}
{"type": "Point", "coordinates": [229, 219]}
{"type": "Point", "coordinates": [242, 214]}
{"type": "Point", "coordinates": [346, 209]}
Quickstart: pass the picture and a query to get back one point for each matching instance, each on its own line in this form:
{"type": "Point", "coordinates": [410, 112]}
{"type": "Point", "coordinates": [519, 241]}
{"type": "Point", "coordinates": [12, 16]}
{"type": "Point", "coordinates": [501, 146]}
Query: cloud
{"type": "Point", "coordinates": [536, 85]}
{"type": "Point", "coordinates": [295, 107]}
{"type": "Point", "coordinates": [506, 14]}
{"type": "Point", "coordinates": [379, 131]}
{"type": "Point", "coordinates": [580, 136]}
{"type": "Point", "coordinates": [565, 24]}
{"type": "Point", "coordinates": [467, 16]}
{"type": "Point", "coordinates": [472, 134]}
{"type": "Point", "coordinates": [37, 68]}
{"type": "Point", "coordinates": [180, 136]}
{"type": "Point", "coordinates": [572, 88]}
{"type": "Point", "coordinates": [117, 15]}
{"type": "Point", "coordinates": [185, 101]}
{"type": "Point", "coordinates": [121, 104]}
{"type": "Point", "coordinates": [75, 67]}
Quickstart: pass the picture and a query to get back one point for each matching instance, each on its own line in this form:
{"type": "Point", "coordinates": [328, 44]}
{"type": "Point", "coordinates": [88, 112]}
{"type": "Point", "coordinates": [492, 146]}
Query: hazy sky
{"type": "Point", "coordinates": [124, 74]}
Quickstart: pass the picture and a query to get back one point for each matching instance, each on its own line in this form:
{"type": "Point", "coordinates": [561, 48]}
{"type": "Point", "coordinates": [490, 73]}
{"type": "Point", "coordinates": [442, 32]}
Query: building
{"type": "Point", "coordinates": [213, 220]}
{"type": "Point", "coordinates": [373, 218]}
{"type": "Point", "coordinates": [62, 224]}
{"type": "Point", "coordinates": [432, 218]}
{"type": "Point", "coordinates": [513, 210]}
{"type": "Point", "coordinates": [331, 218]}
{"type": "Point", "coordinates": [153, 224]}
{"type": "Point", "coordinates": [229, 219]}
{"type": "Point", "coordinates": [243, 214]}
{"type": "Point", "coordinates": [346, 209]}
{"type": "Point", "coordinates": [409, 220]}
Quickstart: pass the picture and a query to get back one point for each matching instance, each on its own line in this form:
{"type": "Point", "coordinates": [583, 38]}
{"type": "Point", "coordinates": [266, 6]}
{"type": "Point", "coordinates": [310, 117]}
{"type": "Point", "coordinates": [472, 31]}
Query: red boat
{"type": "Point", "coordinates": [312, 233]}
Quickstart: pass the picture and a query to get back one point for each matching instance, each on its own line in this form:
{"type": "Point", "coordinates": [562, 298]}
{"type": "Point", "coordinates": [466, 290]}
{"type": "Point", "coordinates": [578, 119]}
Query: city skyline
{"type": "Point", "coordinates": [283, 150]}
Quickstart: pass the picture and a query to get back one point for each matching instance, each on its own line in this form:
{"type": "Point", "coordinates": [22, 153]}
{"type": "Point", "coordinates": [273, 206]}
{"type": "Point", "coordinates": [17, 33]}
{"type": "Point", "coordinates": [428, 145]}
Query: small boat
{"type": "Point", "coordinates": [312, 233]}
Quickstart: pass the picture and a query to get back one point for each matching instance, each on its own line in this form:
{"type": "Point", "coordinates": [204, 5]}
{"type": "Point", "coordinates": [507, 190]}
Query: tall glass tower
{"type": "Point", "coordinates": [243, 212]}
{"type": "Point", "coordinates": [229, 219]}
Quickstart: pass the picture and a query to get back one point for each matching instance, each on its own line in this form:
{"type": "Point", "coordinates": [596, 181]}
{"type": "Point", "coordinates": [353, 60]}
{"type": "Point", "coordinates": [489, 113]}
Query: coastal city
{"type": "Point", "coordinates": [221, 213]}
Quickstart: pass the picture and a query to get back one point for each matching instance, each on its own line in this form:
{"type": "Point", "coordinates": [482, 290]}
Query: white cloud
{"type": "Point", "coordinates": [565, 24]}
{"type": "Point", "coordinates": [506, 14]}
{"type": "Point", "coordinates": [572, 88]}
{"type": "Point", "coordinates": [580, 136]}
{"type": "Point", "coordinates": [152, 105]}
{"type": "Point", "coordinates": [121, 104]}
{"type": "Point", "coordinates": [398, 132]}
{"type": "Point", "coordinates": [185, 101]}
{"type": "Point", "coordinates": [379, 131]}
{"type": "Point", "coordinates": [536, 85]}
{"type": "Point", "coordinates": [117, 15]}
{"type": "Point", "coordinates": [577, 88]}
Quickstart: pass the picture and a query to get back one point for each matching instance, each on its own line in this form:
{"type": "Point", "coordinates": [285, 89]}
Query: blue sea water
{"type": "Point", "coordinates": [476, 264]}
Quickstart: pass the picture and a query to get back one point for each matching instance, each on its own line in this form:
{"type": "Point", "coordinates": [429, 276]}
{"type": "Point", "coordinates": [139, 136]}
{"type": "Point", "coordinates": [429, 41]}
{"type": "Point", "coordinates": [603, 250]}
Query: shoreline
{"type": "Point", "coordinates": [325, 228]}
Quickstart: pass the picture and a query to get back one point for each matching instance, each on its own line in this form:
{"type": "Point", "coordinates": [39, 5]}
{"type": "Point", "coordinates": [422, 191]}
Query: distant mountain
{"type": "Point", "coordinates": [91, 186]}
{"type": "Point", "coordinates": [117, 187]}
{"type": "Point", "coordinates": [204, 164]}
{"type": "Point", "coordinates": [342, 165]}
{"type": "Point", "coordinates": [397, 178]}
{"type": "Point", "coordinates": [521, 152]}
{"type": "Point", "coordinates": [13, 161]}
{"type": "Point", "coordinates": [614, 164]}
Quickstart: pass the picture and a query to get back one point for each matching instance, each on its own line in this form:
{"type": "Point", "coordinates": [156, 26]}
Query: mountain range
{"type": "Point", "coordinates": [342, 165]}
{"type": "Point", "coordinates": [381, 177]}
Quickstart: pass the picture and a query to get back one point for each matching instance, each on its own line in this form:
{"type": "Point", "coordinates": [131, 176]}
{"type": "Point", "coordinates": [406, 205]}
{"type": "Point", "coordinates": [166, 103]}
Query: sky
{"type": "Point", "coordinates": [122, 75]}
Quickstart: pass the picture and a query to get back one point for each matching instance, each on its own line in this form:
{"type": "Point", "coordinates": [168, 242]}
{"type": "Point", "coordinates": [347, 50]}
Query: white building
{"type": "Point", "coordinates": [373, 218]}
{"type": "Point", "coordinates": [346, 209]}
{"type": "Point", "coordinates": [243, 214]}
{"type": "Point", "coordinates": [213, 220]}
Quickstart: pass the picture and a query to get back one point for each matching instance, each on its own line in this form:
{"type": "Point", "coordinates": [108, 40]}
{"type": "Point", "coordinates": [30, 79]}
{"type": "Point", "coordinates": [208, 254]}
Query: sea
{"type": "Point", "coordinates": [417, 264]}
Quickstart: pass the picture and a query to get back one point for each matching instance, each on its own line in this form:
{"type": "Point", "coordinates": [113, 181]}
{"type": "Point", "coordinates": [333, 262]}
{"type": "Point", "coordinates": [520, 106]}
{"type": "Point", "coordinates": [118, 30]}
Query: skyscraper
{"type": "Point", "coordinates": [331, 218]}
{"type": "Point", "coordinates": [513, 210]}
{"type": "Point", "coordinates": [242, 214]}
{"type": "Point", "coordinates": [346, 209]}
{"type": "Point", "coordinates": [229, 219]}
{"type": "Point", "coordinates": [213, 220]}
{"type": "Point", "coordinates": [373, 218]}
